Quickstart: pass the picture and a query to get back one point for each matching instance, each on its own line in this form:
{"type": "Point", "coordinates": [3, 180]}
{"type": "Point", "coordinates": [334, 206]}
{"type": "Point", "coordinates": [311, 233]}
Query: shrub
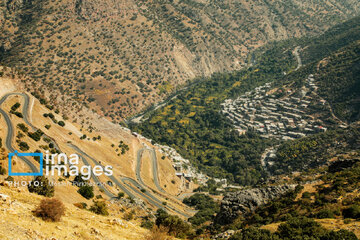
{"type": "Point", "coordinates": [129, 216]}
{"type": "Point", "coordinates": [336, 235]}
{"type": "Point", "coordinates": [99, 208]}
{"type": "Point", "coordinates": [121, 195]}
{"type": "Point", "coordinates": [9, 178]}
{"type": "Point", "coordinates": [79, 181]}
{"type": "Point", "coordinates": [352, 212]}
{"type": "Point", "coordinates": [2, 170]}
{"type": "Point", "coordinates": [146, 223]}
{"type": "Point", "coordinates": [22, 127]}
{"type": "Point", "coordinates": [15, 106]}
{"type": "Point", "coordinates": [325, 213]}
{"type": "Point", "coordinates": [175, 225]}
{"type": "Point", "coordinates": [61, 123]}
{"type": "Point", "coordinates": [80, 205]}
{"type": "Point", "coordinates": [304, 227]}
{"type": "Point", "coordinates": [41, 186]}
{"type": "Point", "coordinates": [347, 221]}
{"type": "Point", "coordinates": [18, 114]}
{"type": "Point", "coordinates": [253, 233]}
{"type": "Point", "coordinates": [206, 205]}
{"type": "Point", "coordinates": [36, 135]}
{"type": "Point", "coordinates": [50, 210]}
{"type": "Point", "coordinates": [86, 191]}
{"type": "Point", "coordinates": [24, 146]}
{"type": "Point", "coordinates": [306, 195]}
{"type": "Point", "coordinates": [158, 233]}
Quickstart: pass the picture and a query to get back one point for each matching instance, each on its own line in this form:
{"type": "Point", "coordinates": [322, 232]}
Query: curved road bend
{"type": "Point", "coordinates": [113, 179]}
{"type": "Point", "coordinates": [133, 185]}
{"type": "Point", "coordinates": [138, 166]}
{"type": "Point", "coordinates": [136, 189]}
{"type": "Point", "coordinates": [156, 171]}
{"type": "Point", "coordinates": [97, 181]}
{"type": "Point", "coordinates": [141, 183]}
{"type": "Point", "coordinates": [25, 112]}
{"type": "Point", "coordinates": [154, 168]}
{"type": "Point", "coordinates": [156, 202]}
{"type": "Point", "coordinates": [10, 133]}
{"type": "Point", "coordinates": [152, 199]}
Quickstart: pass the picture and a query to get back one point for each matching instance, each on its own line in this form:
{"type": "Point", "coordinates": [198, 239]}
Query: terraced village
{"type": "Point", "coordinates": [281, 113]}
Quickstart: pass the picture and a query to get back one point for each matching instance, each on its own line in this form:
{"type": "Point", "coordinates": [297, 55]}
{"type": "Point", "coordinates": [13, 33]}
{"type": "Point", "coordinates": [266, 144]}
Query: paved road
{"type": "Point", "coordinates": [155, 171]}
{"type": "Point", "coordinates": [141, 185]}
{"type": "Point", "coordinates": [154, 168]}
{"type": "Point", "coordinates": [138, 166]}
{"type": "Point", "coordinates": [97, 181]}
{"type": "Point", "coordinates": [298, 58]}
{"type": "Point", "coordinates": [153, 200]}
{"type": "Point", "coordinates": [129, 182]}
{"type": "Point", "coordinates": [10, 127]}
{"type": "Point", "coordinates": [10, 135]}
{"type": "Point", "coordinates": [133, 185]}
{"type": "Point", "coordinates": [113, 179]}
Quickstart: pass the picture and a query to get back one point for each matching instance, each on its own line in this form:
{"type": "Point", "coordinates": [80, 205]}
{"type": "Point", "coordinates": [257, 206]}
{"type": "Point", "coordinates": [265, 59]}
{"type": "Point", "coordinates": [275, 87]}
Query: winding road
{"type": "Point", "coordinates": [155, 171]}
{"type": "Point", "coordinates": [142, 185]}
{"type": "Point", "coordinates": [130, 183]}
{"type": "Point", "coordinates": [10, 133]}
{"type": "Point", "coordinates": [298, 58]}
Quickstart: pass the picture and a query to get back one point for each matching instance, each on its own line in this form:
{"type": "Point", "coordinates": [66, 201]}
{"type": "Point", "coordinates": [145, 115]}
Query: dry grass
{"type": "Point", "coordinates": [158, 233]}
{"type": "Point", "coordinates": [124, 165]}
{"type": "Point", "coordinates": [17, 221]}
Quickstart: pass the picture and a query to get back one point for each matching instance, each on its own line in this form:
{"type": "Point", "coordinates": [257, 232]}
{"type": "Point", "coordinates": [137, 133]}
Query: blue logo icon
{"type": "Point", "coordinates": [16, 153]}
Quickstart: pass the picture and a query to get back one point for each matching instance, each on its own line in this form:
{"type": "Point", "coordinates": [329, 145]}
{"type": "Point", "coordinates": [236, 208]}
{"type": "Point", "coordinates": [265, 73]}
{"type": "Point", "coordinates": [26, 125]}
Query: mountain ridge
{"type": "Point", "coordinates": [148, 48]}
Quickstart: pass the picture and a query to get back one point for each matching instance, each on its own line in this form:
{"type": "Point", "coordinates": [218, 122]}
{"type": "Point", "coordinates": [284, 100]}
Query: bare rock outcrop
{"type": "Point", "coordinates": [243, 202]}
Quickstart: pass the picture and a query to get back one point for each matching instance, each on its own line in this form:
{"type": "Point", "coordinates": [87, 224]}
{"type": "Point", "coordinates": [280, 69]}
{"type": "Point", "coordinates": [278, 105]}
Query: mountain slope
{"type": "Point", "coordinates": [339, 82]}
{"type": "Point", "coordinates": [193, 123]}
{"type": "Point", "coordinates": [120, 56]}
{"type": "Point", "coordinates": [76, 224]}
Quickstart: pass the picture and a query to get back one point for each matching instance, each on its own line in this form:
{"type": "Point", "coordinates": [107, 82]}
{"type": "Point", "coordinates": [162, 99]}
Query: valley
{"type": "Point", "coordinates": [188, 119]}
{"type": "Point", "coordinates": [126, 56]}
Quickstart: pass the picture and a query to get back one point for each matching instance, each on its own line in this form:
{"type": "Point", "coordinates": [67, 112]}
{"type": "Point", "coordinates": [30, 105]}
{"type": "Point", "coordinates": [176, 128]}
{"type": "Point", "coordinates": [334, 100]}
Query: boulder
{"type": "Point", "coordinates": [243, 202]}
{"type": "Point", "coordinates": [4, 198]}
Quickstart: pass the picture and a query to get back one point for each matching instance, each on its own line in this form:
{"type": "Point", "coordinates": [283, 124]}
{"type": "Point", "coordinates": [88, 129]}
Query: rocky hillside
{"type": "Point", "coordinates": [244, 202]}
{"type": "Point", "coordinates": [19, 222]}
{"type": "Point", "coordinates": [193, 123]}
{"type": "Point", "coordinates": [121, 56]}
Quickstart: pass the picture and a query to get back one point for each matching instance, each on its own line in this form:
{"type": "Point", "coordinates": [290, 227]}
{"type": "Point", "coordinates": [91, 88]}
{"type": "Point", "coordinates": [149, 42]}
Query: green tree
{"type": "Point", "coordinates": [99, 207]}
{"type": "Point", "coordinates": [352, 212]}
{"type": "Point", "coordinates": [254, 234]}
{"type": "Point", "coordinates": [41, 186]}
{"type": "Point", "coordinates": [176, 225]}
{"type": "Point", "coordinates": [86, 191]}
{"type": "Point", "coordinates": [304, 227]}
